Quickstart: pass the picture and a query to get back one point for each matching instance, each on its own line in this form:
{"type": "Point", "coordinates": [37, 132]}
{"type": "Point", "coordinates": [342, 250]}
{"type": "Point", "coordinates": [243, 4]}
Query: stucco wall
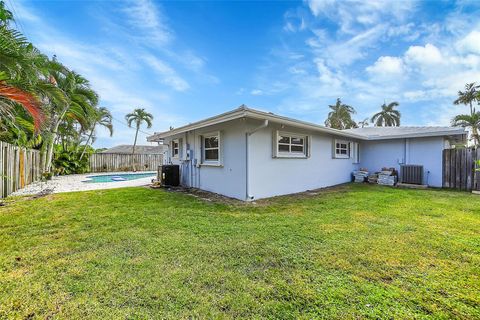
{"type": "Point", "coordinates": [228, 179]}
{"type": "Point", "coordinates": [428, 152]}
{"type": "Point", "coordinates": [391, 153]}
{"type": "Point", "coordinates": [270, 176]}
{"type": "Point", "coordinates": [374, 155]}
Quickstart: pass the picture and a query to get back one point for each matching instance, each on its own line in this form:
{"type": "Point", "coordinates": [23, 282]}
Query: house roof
{"type": "Point", "coordinates": [245, 112]}
{"type": "Point", "coordinates": [376, 133]}
{"type": "Point", "coordinates": [128, 148]}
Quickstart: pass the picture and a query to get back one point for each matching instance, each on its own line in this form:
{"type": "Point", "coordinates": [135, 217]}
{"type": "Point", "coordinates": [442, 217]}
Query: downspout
{"type": "Point", "coordinates": [249, 197]}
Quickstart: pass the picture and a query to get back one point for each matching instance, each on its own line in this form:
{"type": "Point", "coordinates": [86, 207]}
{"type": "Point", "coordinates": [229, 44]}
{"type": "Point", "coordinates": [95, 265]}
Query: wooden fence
{"type": "Point", "coordinates": [459, 169]}
{"type": "Point", "coordinates": [109, 162]}
{"type": "Point", "coordinates": [18, 168]}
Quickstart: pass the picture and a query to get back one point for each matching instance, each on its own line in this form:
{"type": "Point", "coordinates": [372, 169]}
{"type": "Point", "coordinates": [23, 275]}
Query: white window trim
{"type": "Point", "coordinates": [177, 141]}
{"type": "Point", "coordinates": [295, 155]}
{"type": "Point", "coordinates": [213, 163]}
{"type": "Point", "coordinates": [340, 155]}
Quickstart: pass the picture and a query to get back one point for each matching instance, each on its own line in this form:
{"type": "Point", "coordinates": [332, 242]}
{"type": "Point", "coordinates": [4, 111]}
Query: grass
{"type": "Point", "coordinates": [354, 251]}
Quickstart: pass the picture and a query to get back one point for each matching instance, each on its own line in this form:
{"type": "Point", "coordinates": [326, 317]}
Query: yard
{"type": "Point", "coordinates": [354, 251]}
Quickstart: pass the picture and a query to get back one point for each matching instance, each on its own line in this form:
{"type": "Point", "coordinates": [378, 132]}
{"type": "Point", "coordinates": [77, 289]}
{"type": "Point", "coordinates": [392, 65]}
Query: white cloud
{"type": "Point", "coordinates": [256, 92]}
{"type": "Point", "coordinates": [386, 65]}
{"type": "Point", "coordinates": [424, 55]}
{"type": "Point", "coordinates": [144, 15]}
{"type": "Point", "coordinates": [168, 75]}
{"type": "Point", "coordinates": [470, 43]}
{"type": "Point", "coordinates": [351, 15]}
{"type": "Point", "coordinates": [338, 53]}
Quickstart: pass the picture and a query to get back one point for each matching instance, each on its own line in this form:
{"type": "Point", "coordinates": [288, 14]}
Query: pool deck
{"type": "Point", "coordinates": [74, 182]}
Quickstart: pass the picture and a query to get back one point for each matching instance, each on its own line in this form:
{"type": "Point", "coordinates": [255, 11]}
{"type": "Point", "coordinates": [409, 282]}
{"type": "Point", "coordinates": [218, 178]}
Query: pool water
{"type": "Point", "coordinates": [118, 177]}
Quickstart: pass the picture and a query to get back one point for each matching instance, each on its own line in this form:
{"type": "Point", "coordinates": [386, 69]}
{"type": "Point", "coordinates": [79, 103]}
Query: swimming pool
{"type": "Point", "coordinates": [118, 177]}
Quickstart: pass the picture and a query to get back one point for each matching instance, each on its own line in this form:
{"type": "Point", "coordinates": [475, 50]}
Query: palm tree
{"type": "Point", "coordinates": [103, 117]}
{"type": "Point", "coordinates": [80, 105]}
{"type": "Point", "coordinates": [19, 71]}
{"type": "Point", "coordinates": [388, 117]}
{"type": "Point", "coordinates": [469, 121]}
{"type": "Point", "coordinates": [340, 116]}
{"type": "Point", "coordinates": [364, 123]}
{"type": "Point", "coordinates": [471, 94]}
{"type": "Point", "coordinates": [138, 116]}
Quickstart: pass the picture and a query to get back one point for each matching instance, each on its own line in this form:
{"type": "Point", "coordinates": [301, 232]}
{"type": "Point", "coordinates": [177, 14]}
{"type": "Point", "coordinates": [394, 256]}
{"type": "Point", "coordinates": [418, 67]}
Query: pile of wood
{"type": "Point", "coordinates": [387, 177]}
{"type": "Point", "coordinates": [373, 178]}
{"type": "Point", "coordinates": [360, 175]}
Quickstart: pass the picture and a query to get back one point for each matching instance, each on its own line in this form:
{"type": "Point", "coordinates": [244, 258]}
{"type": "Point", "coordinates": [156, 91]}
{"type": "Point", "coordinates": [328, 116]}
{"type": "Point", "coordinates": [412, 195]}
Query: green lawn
{"type": "Point", "coordinates": [354, 251]}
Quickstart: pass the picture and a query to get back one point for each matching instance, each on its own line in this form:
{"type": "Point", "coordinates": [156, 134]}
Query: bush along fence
{"type": "Point", "coordinates": [459, 169]}
{"type": "Point", "coordinates": [109, 162]}
{"type": "Point", "coordinates": [18, 168]}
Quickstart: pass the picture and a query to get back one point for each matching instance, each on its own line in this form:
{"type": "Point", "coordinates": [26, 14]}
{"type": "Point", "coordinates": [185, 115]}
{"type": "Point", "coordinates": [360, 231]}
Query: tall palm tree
{"type": "Point", "coordinates": [80, 104]}
{"type": "Point", "coordinates": [103, 117]}
{"type": "Point", "coordinates": [340, 116]}
{"type": "Point", "coordinates": [364, 123]}
{"type": "Point", "coordinates": [19, 71]}
{"type": "Point", "coordinates": [138, 116]}
{"type": "Point", "coordinates": [470, 95]}
{"type": "Point", "coordinates": [469, 121]}
{"type": "Point", "coordinates": [388, 117]}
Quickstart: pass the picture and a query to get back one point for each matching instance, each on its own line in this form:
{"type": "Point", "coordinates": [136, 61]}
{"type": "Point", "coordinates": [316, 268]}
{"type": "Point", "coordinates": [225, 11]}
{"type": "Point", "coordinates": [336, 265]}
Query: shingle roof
{"type": "Point", "coordinates": [377, 133]}
{"type": "Point", "coordinates": [127, 148]}
{"type": "Point", "coordinates": [396, 132]}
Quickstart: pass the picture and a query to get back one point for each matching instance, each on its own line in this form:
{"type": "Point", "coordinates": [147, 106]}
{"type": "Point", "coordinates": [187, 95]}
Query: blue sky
{"type": "Point", "coordinates": [184, 61]}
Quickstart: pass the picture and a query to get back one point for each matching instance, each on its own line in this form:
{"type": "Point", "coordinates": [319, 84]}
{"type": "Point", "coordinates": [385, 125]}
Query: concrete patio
{"type": "Point", "coordinates": [75, 182]}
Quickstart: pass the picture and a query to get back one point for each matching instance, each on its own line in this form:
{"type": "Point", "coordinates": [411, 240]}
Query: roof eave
{"type": "Point", "coordinates": [228, 116]}
{"type": "Point", "coordinates": [253, 114]}
{"type": "Point", "coordinates": [418, 135]}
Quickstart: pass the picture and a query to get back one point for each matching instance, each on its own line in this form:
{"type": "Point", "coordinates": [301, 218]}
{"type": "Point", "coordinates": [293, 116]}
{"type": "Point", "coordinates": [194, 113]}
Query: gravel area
{"type": "Point", "coordinates": [75, 182]}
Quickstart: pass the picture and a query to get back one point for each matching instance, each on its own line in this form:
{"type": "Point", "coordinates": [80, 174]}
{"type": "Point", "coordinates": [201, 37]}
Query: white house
{"type": "Point", "coordinates": [249, 154]}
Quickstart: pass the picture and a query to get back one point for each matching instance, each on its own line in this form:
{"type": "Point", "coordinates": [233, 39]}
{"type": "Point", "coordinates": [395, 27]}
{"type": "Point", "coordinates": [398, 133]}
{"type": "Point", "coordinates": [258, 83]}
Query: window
{"type": "Point", "coordinates": [175, 148]}
{"type": "Point", "coordinates": [291, 145]}
{"type": "Point", "coordinates": [211, 148]}
{"type": "Point", "coordinates": [342, 149]}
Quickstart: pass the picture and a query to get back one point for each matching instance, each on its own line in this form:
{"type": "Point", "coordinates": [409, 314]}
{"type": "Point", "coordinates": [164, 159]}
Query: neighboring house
{"type": "Point", "coordinates": [127, 149]}
{"type": "Point", "coordinates": [249, 154]}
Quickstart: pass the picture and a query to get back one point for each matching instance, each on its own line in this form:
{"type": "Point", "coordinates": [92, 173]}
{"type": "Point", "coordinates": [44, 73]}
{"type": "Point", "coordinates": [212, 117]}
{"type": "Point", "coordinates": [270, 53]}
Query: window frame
{"type": "Point", "coordinates": [176, 156]}
{"type": "Point", "coordinates": [338, 155]}
{"type": "Point", "coordinates": [298, 155]}
{"type": "Point", "coordinates": [206, 162]}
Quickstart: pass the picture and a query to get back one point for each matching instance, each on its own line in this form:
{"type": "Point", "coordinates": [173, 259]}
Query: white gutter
{"type": "Point", "coordinates": [248, 196]}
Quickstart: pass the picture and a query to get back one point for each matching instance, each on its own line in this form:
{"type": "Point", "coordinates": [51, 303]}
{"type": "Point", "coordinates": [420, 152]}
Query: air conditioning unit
{"type": "Point", "coordinates": [412, 174]}
{"type": "Point", "coordinates": [169, 175]}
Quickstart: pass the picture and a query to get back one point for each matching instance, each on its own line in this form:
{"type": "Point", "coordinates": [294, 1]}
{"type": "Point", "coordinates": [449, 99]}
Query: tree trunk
{"type": "Point", "coordinates": [133, 149]}
{"type": "Point", "coordinates": [475, 136]}
{"type": "Point", "coordinates": [54, 127]}
{"type": "Point", "coordinates": [88, 140]}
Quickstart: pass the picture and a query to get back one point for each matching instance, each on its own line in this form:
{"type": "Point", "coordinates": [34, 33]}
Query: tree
{"type": "Point", "coordinates": [469, 121]}
{"type": "Point", "coordinates": [388, 117]}
{"type": "Point", "coordinates": [138, 116]}
{"type": "Point", "coordinates": [364, 123]}
{"type": "Point", "coordinates": [103, 117]}
{"type": "Point", "coordinates": [43, 104]}
{"type": "Point", "coordinates": [469, 96]}
{"type": "Point", "coordinates": [340, 116]}
{"type": "Point", "coordinates": [80, 105]}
